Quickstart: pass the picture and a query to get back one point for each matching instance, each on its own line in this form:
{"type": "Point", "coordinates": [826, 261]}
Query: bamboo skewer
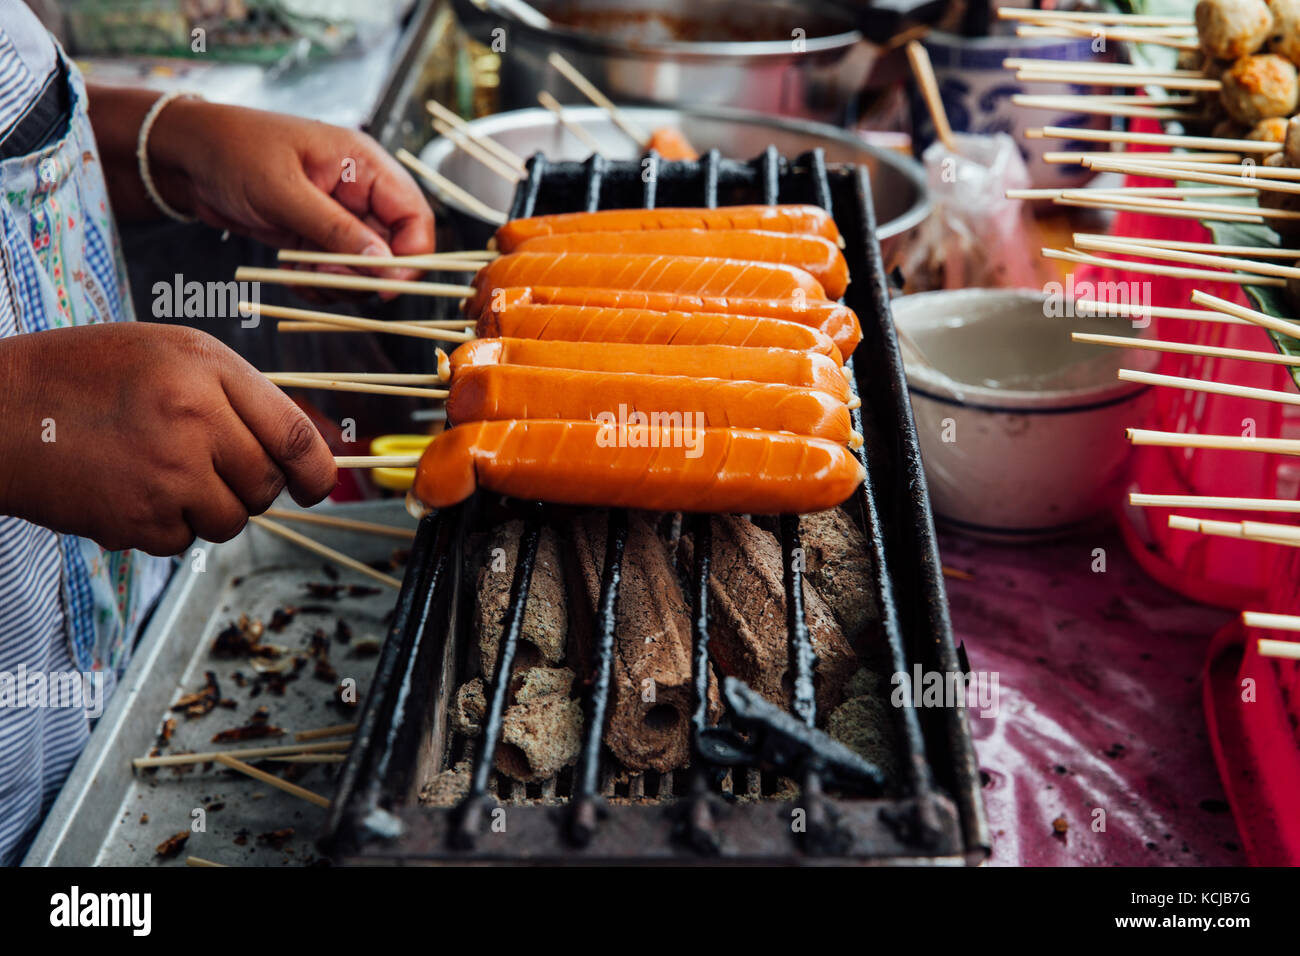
{"type": "Point", "coordinates": [338, 557]}
{"type": "Point", "coordinates": [310, 758]}
{"type": "Point", "coordinates": [588, 89]}
{"type": "Point", "coordinates": [356, 324]}
{"type": "Point", "coordinates": [342, 524]}
{"type": "Point", "coordinates": [1111, 33]}
{"type": "Point", "coordinates": [1119, 79]}
{"type": "Point", "coordinates": [376, 461]}
{"type": "Point", "coordinates": [336, 730]}
{"type": "Point", "coordinates": [487, 143]}
{"type": "Point", "coordinates": [1216, 179]}
{"type": "Point", "coordinates": [1208, 386]}
{"type": "Point", "coordinates": [1126, 192]}
{"type": "Point", "coordinates": [1168, 209]}
{"type": "Point", "coordinates": [1156, 206]}
{"type": "Point", "coordinates": [923, 70]}
{"type": "Point", "coordinates": [1080, 159]}
{"type": "Point", "coordinates": [1285, 505]}
{"type": "Point", "coordinates": [1273, 446]}
{"type": "Point", "coordinates": [1096, 66]}
{"type": "Point", "coordinates": [438, 261]}
{"type": "Point", "coordinates": [1273, 622]}
{"type": "Point", "coordinates": [1250, 315]}
{"type": "Point", "coordinates": [457, 325]}
{"type": "Point", "coordinates": [301, 792]}
{"type": "Point", "coordinates": [1246, 171]}
{"type": "Point", "coordinates": [446, 186]}
{"type": "Point", "coordinates": [354, 283]}
{"type": "Point", "coordinates": [1177, 272]}
{"type": "Point", "coordinates": [250, 753]}
{"type": "Point", "coordinates": [199, 861]}
{"type": "Point", "coordinates": [1085, 16]}
{"type": "Point", "coordinates": [1230, 529]}
{"type": "Point", "coordinates": [1109, 310]}
{"type": "Point", "coordinates": [1266, 252]}
{"type": "Point", "coordinates": [574, 130]}
{"type": "Point", "coordinates": [472, 149]}
{"type": "Point", "coordinates": [1195, 258]}
{"type": "Point", "coordinates": [1186, 348]}
{"type": "Point", "coordinates": [1288, 650]}
{"type": "Point", "coordinates": [1098, 108]}
{"type": "Point", "coordinates": [367, 388]}
{"type": "Point", "coordinates": [1153, 139]}
{"type": "Point", "coordinates": [381, 378]}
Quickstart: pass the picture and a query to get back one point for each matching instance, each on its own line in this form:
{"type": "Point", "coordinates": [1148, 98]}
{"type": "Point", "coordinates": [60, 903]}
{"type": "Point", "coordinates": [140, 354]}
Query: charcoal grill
{"type": "Point", "coordinates": [692, 815]}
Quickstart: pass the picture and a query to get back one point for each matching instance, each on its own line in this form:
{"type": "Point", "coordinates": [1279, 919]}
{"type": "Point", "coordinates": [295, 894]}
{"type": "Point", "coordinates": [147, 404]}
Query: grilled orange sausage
{"type": "Point", "coordinates": [731, 362]}
{"type": "Point", "coordinates": [491, 392]}
{"type": "Point", "coordinates": [807, 220]}
{"type": "Point", "coordinates": [836, 320]}
{"type": "Point", "coordinates": [817, 256]}
{"type": "Point", "coordinates": [647, 273]}
{"type": "Point", "coordinates": [576, 323]}
{"type": "Point", "coordinates": [602, 465]}
{"type": "Point", "coordinates": [671, 143]}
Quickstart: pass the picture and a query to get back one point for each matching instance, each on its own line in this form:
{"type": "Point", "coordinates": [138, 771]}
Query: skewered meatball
{"type": "Point", "coordinates": [1257, 87]}
{"type": "Point", "coordinates": [1271, 130]}
{"type": "Point", "coordinates": [1229, 29]}
{"type": "Point", "coordinates": [1284, 39]}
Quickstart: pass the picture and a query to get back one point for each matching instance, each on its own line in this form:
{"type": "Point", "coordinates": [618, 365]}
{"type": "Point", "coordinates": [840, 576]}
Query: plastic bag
{"type": "Point", "coordinates": [975, 237]}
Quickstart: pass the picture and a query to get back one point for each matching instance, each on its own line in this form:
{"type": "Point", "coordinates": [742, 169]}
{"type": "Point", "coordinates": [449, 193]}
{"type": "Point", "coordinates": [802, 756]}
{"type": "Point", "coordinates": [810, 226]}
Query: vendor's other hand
{"type": "Point", "coordinates": [290, 182]}
{"type": "Point", "coordinates": [145, 436]}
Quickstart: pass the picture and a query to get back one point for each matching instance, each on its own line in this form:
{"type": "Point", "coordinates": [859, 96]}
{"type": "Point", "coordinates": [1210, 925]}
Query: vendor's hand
{"type": "Point", "coordinates": [144, 436]}
{"type": "Point", "coordinates": [289, 182]}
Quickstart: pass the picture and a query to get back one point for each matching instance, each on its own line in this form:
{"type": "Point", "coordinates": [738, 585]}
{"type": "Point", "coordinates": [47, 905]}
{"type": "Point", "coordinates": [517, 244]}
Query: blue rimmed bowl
{"type": "Point", "coordinates": [1021, 430]}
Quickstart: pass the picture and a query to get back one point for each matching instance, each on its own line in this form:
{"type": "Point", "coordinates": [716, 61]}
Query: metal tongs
{"type": "Point", "coordinates": [779, 740]}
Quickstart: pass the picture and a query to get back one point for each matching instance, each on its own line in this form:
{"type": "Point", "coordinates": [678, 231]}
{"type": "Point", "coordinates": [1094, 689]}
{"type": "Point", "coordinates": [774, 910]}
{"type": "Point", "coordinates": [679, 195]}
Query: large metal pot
{"type": "Point", "coordinates": [898, 185]}
{"type": "Point", "coordinates": [799, 59]}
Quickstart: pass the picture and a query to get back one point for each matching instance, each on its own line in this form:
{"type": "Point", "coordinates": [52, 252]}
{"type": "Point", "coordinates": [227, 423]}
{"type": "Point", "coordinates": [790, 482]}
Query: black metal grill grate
{"type": "Point", "coordinates": [375, 792]}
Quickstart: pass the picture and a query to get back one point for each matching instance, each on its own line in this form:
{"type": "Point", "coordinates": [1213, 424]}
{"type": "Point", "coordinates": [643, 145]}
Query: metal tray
{"type": "Point", "coordinates": [96, 818]}
{"type": "Point", "coordinates": [404, 730]}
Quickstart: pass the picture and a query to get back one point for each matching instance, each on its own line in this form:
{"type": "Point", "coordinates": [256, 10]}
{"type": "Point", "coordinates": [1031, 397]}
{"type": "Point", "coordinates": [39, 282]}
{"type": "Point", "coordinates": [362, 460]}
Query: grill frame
{"type": "Point", "coordinates": [375, 816]}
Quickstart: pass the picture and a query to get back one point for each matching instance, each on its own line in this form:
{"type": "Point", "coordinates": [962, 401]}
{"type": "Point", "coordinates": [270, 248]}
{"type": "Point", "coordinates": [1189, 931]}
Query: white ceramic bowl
{"type": "Point", "coordinates": [1021, 430]}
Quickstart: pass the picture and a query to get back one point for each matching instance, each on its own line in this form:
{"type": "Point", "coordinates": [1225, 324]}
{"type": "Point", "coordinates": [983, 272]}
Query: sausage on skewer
{"type": "Point", "coordinates": [816, 255]}
{"type": "Point", "coordinates": [806, 220]}
{"type": "Point", "coordinates": [644, 273]}
{"type": "Point", "coordinates": [658, 469]}
{"type": "Point", "coordinates": [575, 323]}
{"type": "Point", "coordinates": [735, 363]}
{"type": "Point", "coordinates": [492, 392]}
{"type": "Point", "coordinates": [836, 320]}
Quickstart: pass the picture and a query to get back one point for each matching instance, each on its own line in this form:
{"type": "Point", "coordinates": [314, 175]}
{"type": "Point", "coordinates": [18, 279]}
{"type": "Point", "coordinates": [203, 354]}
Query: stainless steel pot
{"type": "Point", "coordinates": [800, 59]}
{"type": "Point", "coordinates": [898, 184]}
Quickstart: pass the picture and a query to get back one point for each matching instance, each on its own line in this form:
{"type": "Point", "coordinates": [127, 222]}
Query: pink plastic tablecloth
{"type": "Point", "coordinates": [1099, 706]}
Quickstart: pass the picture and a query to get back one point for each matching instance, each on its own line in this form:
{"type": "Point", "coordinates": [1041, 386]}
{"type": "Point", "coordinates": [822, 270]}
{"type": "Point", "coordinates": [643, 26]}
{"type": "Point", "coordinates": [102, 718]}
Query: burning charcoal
{"type": "Point", "coordinates": [227, 703]}
{"type": "Point", "coordinates": [469, 707]}
{"type": "Point", "coordinates": [649, 716]}
{"type": "Point", "coordinates": [231, 642]}
{"type": "Point", "coordinates": [540, 682]}
{"type": "Point", "coordinates": [363, 590]}
{"type": "Point", "coordinates": [282, 618]}
{"type": "Point", "coordinates": [748, 636]}
{"type": "Point", "coordinates": [541, 640]}
{"type": "Point", "coordinates": [838, 564]}
{"type": "Point", "coordinates": [448, 787]}
{"type": "Point", "coordinates": [539, 737]}
{"type": "Point", "coordinates": [252, 731]}
{"type": "Point", "coordinates": [865, 722]}
{"type": "Point", "coordinates": [169, 847]}
{"type": "Point", "coordinates": [342, 632]}
{"type": "Point", "coordinates": [252, 627]}
{"type": "Point", "coordinates": [323, 590]}
{"type": "Point", "coordinates": [276, 839]}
